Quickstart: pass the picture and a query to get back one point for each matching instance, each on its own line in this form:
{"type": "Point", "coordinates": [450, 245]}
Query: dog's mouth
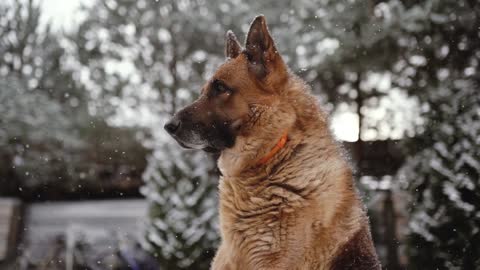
{"type": "Point", "coordinates": [208, 149]}
{"type": "Point", "coordinates": [204, 147]}
{"type": "Point", "coordinates": [188, 145]}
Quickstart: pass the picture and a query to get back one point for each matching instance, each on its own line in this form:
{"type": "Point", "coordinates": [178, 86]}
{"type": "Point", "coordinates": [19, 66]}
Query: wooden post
{"type": "Point", "coordinates": [10, 217]}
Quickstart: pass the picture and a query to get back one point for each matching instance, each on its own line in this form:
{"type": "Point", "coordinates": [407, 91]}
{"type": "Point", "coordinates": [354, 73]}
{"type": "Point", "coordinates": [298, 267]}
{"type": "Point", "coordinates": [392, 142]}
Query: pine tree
{"type": "Point", "coordinates": [444, 182]}
{"type": "Point", "coordinates": [442, 173]}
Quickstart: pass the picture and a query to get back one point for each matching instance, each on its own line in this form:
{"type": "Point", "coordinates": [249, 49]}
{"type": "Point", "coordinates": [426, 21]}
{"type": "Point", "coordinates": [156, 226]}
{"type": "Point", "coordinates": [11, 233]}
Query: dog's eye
{"type": "Point", "coordinates": [220, 88]}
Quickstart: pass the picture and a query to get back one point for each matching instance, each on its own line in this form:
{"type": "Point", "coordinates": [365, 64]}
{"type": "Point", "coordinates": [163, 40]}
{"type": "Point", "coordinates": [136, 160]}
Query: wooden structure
{"type": "Point", "coordinates": [46, 221]}
{"type": "Point", "coordinates": [10, 219]}
{"type": "Point", "coordinates": [375, 158]}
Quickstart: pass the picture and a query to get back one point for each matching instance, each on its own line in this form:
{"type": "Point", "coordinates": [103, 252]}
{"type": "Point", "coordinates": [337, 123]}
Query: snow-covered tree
{"type": "Point", "coordinates": [29, 143]}
{"type": "Point", "coordinates": [48, 140]}
{"type": "Point", "coordinates": [142, 61]}
{"type": "Point", "coordinates": [35, 101]}
{"type": "Point", "coordinates": [444, 181]}
{"type": "Point", "coordinates": [442, 173]}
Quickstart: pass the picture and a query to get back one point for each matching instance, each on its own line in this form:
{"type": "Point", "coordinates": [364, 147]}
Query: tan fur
{"type": "Point", "coordinates": [297, 211]}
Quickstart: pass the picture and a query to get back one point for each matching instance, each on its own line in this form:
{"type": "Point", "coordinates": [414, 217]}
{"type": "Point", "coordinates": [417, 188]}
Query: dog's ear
{"type": "Point", "coordinates": [260, 48]}
{"type": "Point", "coordinates": [232, 46]}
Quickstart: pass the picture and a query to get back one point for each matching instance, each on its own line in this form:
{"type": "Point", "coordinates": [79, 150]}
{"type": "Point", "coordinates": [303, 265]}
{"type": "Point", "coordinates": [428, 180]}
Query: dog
{"type": "Point", "coordinates": [287, 197]}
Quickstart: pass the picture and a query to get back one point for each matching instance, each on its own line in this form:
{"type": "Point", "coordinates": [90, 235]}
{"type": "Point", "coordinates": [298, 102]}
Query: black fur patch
{"type": "Point", "coordinates": [358, 253]}
{"type": "Point", "coordinates": [219, 135]}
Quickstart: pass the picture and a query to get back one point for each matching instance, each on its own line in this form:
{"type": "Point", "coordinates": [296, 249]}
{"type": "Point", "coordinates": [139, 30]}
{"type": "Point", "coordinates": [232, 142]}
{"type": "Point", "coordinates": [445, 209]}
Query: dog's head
{"type": "Point", "coordinates": [250, 77]}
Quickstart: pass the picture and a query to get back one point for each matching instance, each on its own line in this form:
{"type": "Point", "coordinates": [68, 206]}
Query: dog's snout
{"type": "Point", "coordinates": [173, 125]}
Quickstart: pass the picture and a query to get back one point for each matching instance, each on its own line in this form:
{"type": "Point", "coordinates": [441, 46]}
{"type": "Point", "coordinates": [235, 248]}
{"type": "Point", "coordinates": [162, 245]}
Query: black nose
{"type": "Point", "coordinates": [172, 125]}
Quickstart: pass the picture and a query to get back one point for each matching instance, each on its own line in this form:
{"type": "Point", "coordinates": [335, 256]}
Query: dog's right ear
{"type": "Point", "coordinates": [260, 50]}
{"type": "Point", "coordinates": [232, 46]}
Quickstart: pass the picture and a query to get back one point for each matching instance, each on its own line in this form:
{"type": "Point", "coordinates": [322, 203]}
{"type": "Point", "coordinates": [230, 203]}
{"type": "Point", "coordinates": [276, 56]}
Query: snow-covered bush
{"type": "Point", "coordinates": [182, 188]}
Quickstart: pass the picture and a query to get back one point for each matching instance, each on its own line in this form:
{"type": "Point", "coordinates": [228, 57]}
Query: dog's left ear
{"type": "Point", "coordinates": [232, 46]}
{"type": "Point", "coordinates": [260, 49]}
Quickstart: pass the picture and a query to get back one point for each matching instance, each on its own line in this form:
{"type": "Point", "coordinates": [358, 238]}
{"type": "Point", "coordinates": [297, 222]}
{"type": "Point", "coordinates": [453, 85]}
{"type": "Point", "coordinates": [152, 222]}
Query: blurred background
{"type": "Point", "coordinates": [89, 179]}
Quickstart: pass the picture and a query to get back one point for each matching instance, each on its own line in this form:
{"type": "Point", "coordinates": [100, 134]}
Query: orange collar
{"type": "Point", "coordinates": [280, 144]}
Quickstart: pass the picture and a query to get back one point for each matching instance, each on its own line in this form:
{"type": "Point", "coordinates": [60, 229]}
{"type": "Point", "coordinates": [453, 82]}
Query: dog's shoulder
{"type": "Point", "coordinates": [358, 253]}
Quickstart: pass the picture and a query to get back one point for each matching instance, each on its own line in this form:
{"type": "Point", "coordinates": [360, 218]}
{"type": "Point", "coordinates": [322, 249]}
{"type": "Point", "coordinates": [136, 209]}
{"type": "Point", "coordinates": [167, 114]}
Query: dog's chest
{"type": "Point", "coordinates": [257, 224]}
{"type": "Point", "coordinates": [253, 237]}
{"type": "Point", "coordinates": [245, 214]}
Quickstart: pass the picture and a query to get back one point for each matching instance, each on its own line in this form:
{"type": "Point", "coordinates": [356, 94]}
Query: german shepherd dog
{"type": "Point", "coordinates": [287, 198]}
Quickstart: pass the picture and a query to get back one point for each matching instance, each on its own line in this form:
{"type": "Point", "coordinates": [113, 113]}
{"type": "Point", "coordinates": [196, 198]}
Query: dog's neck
{"type": "Point", "coordinates": [267, 126]}
{"type": "Point", "coordinates": [252, 147]}
{"type": "Point", "coordinates": [280, 144]}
